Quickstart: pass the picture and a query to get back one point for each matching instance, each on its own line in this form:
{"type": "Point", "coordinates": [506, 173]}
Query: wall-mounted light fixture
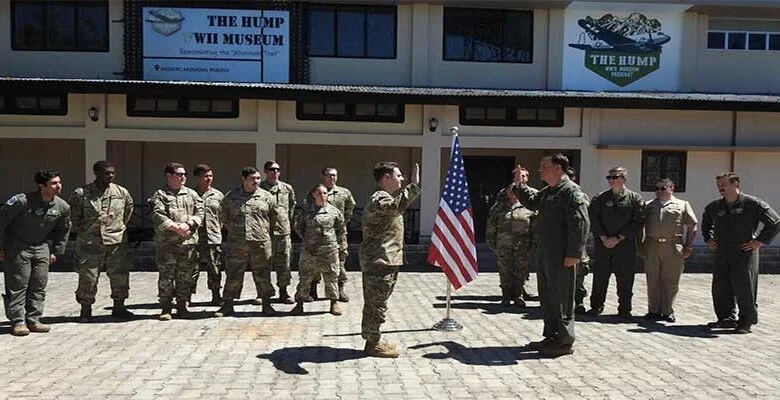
{"type": "Point", "coordinates": [93, 113]}
{"type": "Point", "coordinates": [432, 124]}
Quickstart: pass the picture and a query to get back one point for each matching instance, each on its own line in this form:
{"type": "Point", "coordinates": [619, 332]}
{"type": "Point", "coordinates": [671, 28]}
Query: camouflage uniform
{"type": "Point", "coordinates": [381, 253]}
{"type": "Point", "coordinates": [324, 236]}
{"type": "Point", "coordinates": [341, 198]}
{"type": "Point", "coordinates": [248, 218]}
{"type": "Point", "coordinates": [100, 218]}
{"type": "Point", "coordinates": [27, 224]}
{"type": "Point", "coordinates": [508, 234]}
{"type": "Point", "coordinates": [175, 256]}
{"type": "Point", "coordinates": [209, 240]}
{"type": "Point", "coordinates": [284, 197]}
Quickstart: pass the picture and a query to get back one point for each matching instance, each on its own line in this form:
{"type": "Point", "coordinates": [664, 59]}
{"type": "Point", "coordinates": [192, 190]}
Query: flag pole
{"type": "Point", "coordinates": [448, 324]}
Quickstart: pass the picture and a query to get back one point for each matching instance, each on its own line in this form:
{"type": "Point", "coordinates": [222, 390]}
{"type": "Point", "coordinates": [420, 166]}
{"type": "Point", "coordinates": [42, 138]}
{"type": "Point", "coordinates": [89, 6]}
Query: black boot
{"type": "Point", "coordinates": [342, 294]}
{"type": "Point", "coordinates": [268, 309]}
{"type": "Point", "coordinates": [284, 297]}
{"type": "Point", "coordinates": [120, 311]}
{"type": "Point", "coordinates": [313, 291]}
{"type": "Point", "coordinates": [298, 310]}
{"type": "Point", "coordinates": [86, 313]}
{"type": "Point", "coordinates": [216, 299]}
{"type": "Point", "coordinates": [225, 310]}
{"type": "Point", "coordinates": [181, 310]}
{"type": "Point", "coordinates": [506, 298]}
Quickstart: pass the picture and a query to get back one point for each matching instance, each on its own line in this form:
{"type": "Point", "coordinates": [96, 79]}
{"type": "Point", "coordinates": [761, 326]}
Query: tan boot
{"type": "Point", "coordinates": [165, 315]}
{"type": "Point", "coordinates": [298, 310]}
{"type": "Point", "coordinates": [342, 294]}
{"type": "Point", "coordinates": [38, 327]}
{"type": "Point", "coordinates": [19, 330]}
{"type": "Point", "coordinates": [334, 308]}
{"type": "Point", "coordinates": [380, 349]}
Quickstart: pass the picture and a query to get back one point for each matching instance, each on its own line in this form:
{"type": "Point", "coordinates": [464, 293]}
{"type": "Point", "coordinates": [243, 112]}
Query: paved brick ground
{"type": "Point", "coordinates": [317, 355]}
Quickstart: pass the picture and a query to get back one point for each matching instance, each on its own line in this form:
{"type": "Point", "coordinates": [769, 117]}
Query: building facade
{"type": "Point", "coordinates": [683, 90]}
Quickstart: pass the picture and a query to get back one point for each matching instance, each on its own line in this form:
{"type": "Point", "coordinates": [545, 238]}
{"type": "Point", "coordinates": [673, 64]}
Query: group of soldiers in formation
{"type": "Point", "coordinates": [539, 228]}
{"type": "Point", "coordinates": [547, 228]}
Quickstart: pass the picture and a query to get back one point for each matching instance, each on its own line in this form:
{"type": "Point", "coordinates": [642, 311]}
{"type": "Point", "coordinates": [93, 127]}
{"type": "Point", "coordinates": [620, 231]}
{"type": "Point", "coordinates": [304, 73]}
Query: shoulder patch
{"type": "Point", "coordinates": [579, 198]}
{"type": "Point", "coordinates": [12, 200]}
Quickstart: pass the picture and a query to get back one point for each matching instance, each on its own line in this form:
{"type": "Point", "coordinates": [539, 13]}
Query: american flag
{"type": "Point", "coordinates": [452, 242]}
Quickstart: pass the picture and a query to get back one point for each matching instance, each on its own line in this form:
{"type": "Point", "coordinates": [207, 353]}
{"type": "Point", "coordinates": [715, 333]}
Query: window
{"type": "Point", "coordinates": [59, 26]}
{"type": "Point", "coordinates": [147, 106]}
{"type": "Point", "coordinates": [743, 40]}
{"type": "Point", "coordinates": [663, 165]}
{"type": "Point", "coordinates": [511, 116]}
{"type": "Point", "coordinates": [488, 35]}
{"type": "Point", "coordinates": [34, 105]}
{"type": "Point", "coordinates": [352, 32]}
{"type": "Point", "coordinates": [367, 112]}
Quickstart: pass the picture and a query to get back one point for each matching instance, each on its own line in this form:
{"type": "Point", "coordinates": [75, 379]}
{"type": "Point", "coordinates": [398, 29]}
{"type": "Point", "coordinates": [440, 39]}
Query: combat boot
{"type": "Point", "coordinates": [519, 302]}
{"type": "Point", "coordinates": [165, 315]}
{"type": "Point", "coordinates": [216, 299]}
{"type": "Point", "coordinates": [334, 308]}
{"type": "Point", "coordinates": [268, 309]}
{"type": "Point", "coordinates": [19, 329]}
{"type": "Point", "coordinates": [86, 313]}
{"type": "Point", "coordinates": [225, 310]}
{"type": "Point", "coordinates": [380, 349]}
{"type": "Point", "coordinates": [298, 310]}
{"type": "Point", "coordinates": [120, 311]}
{"type": "Point", "coordinates": [556, 350]}
{"type": "Point", "coordinates": [181, 310]}
{"type": "Point", "coordinates": [313, 292]}
{"type": "Point", "coordinates": [38, 327]}
{"type": "Point", "coordinates": [342, 294]}
{"type": "Point", "coordinates": [284, 297]}
{"type": "Point", "coordinates": [506, 299]}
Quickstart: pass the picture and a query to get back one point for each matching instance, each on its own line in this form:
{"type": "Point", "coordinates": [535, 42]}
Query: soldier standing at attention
{"type": "Point", "coordinates": [177, 212]}
{"type": "Point", "coordinates": [284, 195]}
{"type": "Point", "coordinates": [323, 231]}
{"type": "Point", "coordinates": [508, 234]}
{"type": "Point", "coordinates": [100, 212]}
{"type": "Point", "coordinates": [563, 227]}
{"type": "Point", "coordinates": [730, 228]}
{"type": "Point", "coordinates": [28, 222]}
{"type": "Point", "coordinates": [382, 249]}
{"type": "Point", "coordinates": [249, 215]}
{"type": "Point", "coordinates": [665, 248]}
{"type": "Point", "coordinates": [615, 218]}
{"type": "Point", "coordinates": [209, 232]}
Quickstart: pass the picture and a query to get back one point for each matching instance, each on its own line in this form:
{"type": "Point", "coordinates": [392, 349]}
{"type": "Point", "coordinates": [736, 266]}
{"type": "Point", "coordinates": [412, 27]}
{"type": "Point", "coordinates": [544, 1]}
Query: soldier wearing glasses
{"type": "Point", "coordinates": [284, 195]}
{"type": "Point", "coordinates": [615, 217]}
{"type": "Point", "coordinates": [670, 227]}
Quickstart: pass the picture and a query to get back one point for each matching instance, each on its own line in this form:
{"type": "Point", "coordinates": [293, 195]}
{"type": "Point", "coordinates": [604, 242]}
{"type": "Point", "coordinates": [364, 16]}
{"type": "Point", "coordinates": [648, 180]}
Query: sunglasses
{"type": "Point", "coordinates": [182, 174]}
{"type": "Point", "coordinates": [613, 177]}
{"type": "Point", "coordinates": [659, 188]}
{"type": "Point", "coordinates": [273, 169]}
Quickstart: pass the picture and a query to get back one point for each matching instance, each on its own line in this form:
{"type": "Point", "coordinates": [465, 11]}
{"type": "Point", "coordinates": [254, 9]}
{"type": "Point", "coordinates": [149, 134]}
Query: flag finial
{"type": "Point", "coordinates": [454, 130]}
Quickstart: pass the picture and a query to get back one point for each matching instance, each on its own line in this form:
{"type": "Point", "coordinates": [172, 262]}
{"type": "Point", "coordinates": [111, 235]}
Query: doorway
{"type": "Point", "coordinates": [486, 176]}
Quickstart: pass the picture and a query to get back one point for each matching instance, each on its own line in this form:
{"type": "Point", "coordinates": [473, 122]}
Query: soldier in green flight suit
{"type": "Point", "coordinates": [29, 222]}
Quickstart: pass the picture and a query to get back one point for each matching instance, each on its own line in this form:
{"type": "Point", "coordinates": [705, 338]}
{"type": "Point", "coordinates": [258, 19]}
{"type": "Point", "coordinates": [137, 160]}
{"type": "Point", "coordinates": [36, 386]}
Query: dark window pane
{"type": "Point", "coordinates": [49, 102]}
{"type": "Point", "coordinates": [381, 35]}
{"type": "Point", "coordinates": [322, 28]}
{"type": "Point", "coordinates": [351, 34]}
{"type": "Point", "coordinates": [60, 29]}
{"type": "Point", "coordinates": [526, 114]}
{"type": "Point", "coordinates": [91, 28]}
{"type": "Point", "coordinates": [335, 109]}
{"type": "Point", "coordinates": [167, 105]}
{"type": "Point", "coordinates": [222, 106]}
{"type": "Point", "coordinates": [29, 30]}
{"type": "Point", "coordinates": [757, 41]}
{"type": "Point", "coordinates": [517, 37]}
{"type": "Point", "coordinates": [716, 40]}
{"type": "Point", "coordinates": [488, 36]}
{"type": "Point", "coordinates": [547, 114]}
{"type": "Point", "coordinates": [458, 34]}
{"type": "Point", "coordinates": [737, 40]}
{"type": "Point", "coordinates": [2, 102]}
{"type": "Point", "coordinates": [144, 104]}
{"type": "Point", "coordinates": [475, 113]}
{"type": "Point", "coordinates": [365, 109]}
{"type": "Point", "coordinates": [313, 108]}
{"type": "Point", "coordinates": [199, 105]}
{"type": "Point", "coordinates": [27, 103]}
{"type": "Point", "coordinates": [387, 110]}
{"type": "Point", "coordinates": [496, 113]}
{"type": "Point", "coordinates": [774, 42]}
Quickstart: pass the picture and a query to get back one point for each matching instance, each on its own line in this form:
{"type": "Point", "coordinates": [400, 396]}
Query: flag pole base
{"type": "Point", "coordinates": [448, 325]}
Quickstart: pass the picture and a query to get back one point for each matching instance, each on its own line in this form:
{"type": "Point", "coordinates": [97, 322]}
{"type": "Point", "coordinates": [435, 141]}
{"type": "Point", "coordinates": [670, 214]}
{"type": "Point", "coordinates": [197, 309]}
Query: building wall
{"type": "Point", "coordinates": [665, 127]}
{"type": "Point", "coordinates": [20, 159]}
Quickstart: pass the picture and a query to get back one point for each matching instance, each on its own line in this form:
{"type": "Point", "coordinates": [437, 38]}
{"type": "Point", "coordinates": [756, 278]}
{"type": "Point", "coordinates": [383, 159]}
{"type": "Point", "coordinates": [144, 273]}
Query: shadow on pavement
{"type": "Point", "coordinates": [383, 332]}
{"type": "Point", "coordinates": [471, 298]}
{"type": "Point", "coordinates": [96, 319]}
{"type": "Point", "coordinates": [607, 319]}
{"type": "Point", "coordinates": [488, 356]}
{"type": "Point", "coordinates": [698, 331]}
{"type": "Point", "coordinates": [289, 360]}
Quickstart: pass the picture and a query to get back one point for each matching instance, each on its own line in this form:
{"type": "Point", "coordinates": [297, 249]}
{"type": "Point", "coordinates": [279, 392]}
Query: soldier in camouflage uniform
{"type": "Point", "coordinates": [341, 198]}
{"type": "Point", "coordinates": [209, 233]}
{"type": "Point", "coordinates": [249, 215]}
{"type": "Point", "coordinates": [508, 234]}
{"type": "Point", "coordinates": [28, 222]}
{"type": "Point", "coordinates": [324, 235]}
{"type": "Point", "coordinates": [177, 212]}
{"type": "Point", "coordinates": [100, 212]}
{"type": "Point", "coordinates": [284, 196]}
{"type": "Point", "coordinates": [381, 252]}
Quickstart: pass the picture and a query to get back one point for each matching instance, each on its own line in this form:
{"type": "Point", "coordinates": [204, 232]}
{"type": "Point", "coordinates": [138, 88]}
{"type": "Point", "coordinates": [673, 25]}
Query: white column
{"type": "Point", "coordinates": [420, 14]}
{"type": "Point", "coordinates": [431, 171]}
{"type": "Point", "coordinates": [265, 147]}
{"type": "Point", "coordinates": [95, 137]}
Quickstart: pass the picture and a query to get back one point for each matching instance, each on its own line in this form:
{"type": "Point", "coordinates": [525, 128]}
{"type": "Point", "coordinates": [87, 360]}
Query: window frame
{"type": "Point", "coordinates": [767, 40]}
{"type": "Point", "coordinates": [349, 114]}
{"type": "Point", "coordinates": [503, 12]}
{"type": "Point", "coordinates": [76, 5]}
{"type": "Point", "coordinates": [679, 187]}
{"type": "Point", "coordinates": [182, 108]}
{"type": "Point", "coordinates": [9, 106]}
{"type": "Point", "coordinates": [335, 8]}
{"type": "Point", "coordinates": [511, 119]}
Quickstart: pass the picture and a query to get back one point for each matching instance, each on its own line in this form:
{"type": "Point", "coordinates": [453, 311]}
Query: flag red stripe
{"type": "Point", "coordinates": [458, 235]}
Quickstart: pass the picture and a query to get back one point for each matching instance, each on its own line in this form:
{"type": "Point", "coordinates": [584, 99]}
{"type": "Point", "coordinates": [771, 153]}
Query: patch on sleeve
{"type": "Point", "coordinates": [579, 198]}
{"type": "Point", "coordinates": [12, 200]}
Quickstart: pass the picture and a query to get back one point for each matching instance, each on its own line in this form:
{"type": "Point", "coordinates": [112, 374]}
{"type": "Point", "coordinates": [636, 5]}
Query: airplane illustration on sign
{"type": "Point", "coordinates": [633, 34]}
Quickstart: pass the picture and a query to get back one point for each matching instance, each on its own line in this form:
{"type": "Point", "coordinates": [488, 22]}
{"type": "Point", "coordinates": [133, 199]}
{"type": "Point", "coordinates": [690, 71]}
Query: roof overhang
{"type": "Point", "coordinates": [405, 95]}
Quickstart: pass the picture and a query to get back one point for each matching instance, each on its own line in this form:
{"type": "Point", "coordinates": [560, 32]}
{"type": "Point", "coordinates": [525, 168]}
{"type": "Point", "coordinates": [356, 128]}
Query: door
{"type": "Point", "coordinates": [486, 175]}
